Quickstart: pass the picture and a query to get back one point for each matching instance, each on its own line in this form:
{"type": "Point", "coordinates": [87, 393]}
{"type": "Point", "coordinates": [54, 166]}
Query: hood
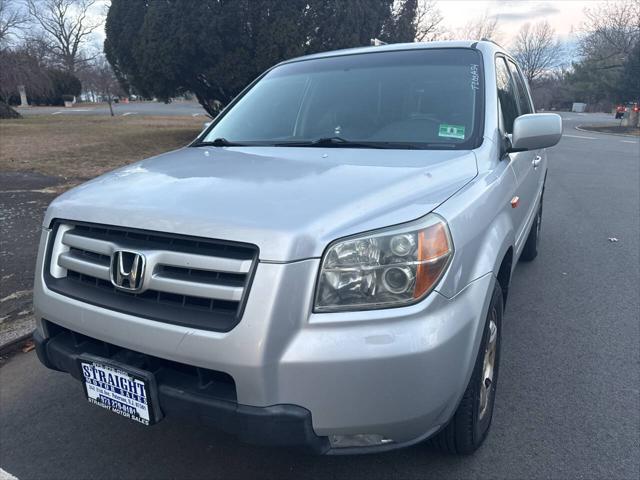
{"type": "Point", "coordinates": [290, 202]}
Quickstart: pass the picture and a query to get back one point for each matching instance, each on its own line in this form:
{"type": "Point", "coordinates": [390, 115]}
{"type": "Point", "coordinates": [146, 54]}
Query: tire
{"type": "Point", "coordinates": [469, 426]}
{"type": "Point", "coordinates": [530, 250]}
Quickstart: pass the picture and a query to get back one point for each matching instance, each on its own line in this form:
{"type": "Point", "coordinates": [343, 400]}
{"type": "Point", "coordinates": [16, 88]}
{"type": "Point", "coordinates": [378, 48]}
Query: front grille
{"type": "Point", "coordinates": [188, 281]}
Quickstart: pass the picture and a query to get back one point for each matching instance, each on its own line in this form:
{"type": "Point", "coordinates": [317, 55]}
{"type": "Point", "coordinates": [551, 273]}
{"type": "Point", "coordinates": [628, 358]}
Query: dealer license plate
{"type": "Point", "coordinates": [121, 389]}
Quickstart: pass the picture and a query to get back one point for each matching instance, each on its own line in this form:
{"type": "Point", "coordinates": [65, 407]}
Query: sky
{"type": "Point", "coordinates": [565, 16]}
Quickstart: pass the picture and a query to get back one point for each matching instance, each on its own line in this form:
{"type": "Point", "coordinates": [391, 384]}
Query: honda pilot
{"type": "Point", "coordinates": [326, 266]}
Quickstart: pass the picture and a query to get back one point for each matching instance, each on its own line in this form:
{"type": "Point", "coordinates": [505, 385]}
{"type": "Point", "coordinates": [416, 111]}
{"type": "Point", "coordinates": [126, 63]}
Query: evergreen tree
{"type": "Point", "coordinates": [338, 24]}
{"type": "Point", "coordinates": [402, 27]}
{"type": "Point", "coordinates": [123, 30]}
{"type": "Point", "coordinates": [214, 48]}
{"type": "Point", "coordinates": [630, 79]}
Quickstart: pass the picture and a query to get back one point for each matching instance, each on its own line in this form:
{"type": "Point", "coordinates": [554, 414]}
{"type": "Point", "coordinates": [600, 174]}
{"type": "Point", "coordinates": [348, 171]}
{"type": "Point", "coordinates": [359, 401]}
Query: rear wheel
{"type": "Point", "coordinates": [470, 424]}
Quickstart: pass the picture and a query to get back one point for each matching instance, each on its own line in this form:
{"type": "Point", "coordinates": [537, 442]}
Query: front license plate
{"type": "Point", "coordinates": [121, 389]}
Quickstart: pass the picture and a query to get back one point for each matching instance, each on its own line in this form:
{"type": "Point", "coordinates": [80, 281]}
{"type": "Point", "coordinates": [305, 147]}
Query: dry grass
{"type": "Point", "coordinates": [81, 147]}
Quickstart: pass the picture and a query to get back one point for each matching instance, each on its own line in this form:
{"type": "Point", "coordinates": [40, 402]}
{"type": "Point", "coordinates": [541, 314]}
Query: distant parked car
{"type": "Point", "coordinates": [627, 107]}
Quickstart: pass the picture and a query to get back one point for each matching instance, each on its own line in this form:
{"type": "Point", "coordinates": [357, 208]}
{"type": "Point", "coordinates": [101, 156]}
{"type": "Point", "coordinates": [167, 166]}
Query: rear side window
{"type": "Point", "coordinates": [506, 94]}
{"type": "Point", "coordinates": [525, 103]}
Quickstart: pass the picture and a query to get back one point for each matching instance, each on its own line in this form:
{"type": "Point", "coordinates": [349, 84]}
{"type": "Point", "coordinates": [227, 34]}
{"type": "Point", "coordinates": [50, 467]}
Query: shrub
{"type": "Point", "coordinates": [64, 86]}
{"type": "Point", "coordinates": [7, 112]}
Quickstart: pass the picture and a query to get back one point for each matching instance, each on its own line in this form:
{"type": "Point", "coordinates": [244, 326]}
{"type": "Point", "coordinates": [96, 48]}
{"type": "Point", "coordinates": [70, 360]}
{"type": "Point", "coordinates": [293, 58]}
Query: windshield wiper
{"type": "Point", "coordinates": [339, 142]}
{"type": "Point", "coordinates": [220, 142]}
{"type": "Point", "coordinates": [331, 142]}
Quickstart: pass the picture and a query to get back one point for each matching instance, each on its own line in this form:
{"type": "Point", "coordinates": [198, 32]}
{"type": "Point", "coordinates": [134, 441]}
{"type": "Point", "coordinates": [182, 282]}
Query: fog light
{"type": "Point", "coordinates": [359, 440]}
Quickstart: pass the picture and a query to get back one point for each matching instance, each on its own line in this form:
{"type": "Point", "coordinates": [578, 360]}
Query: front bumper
{"type": "Point", "coordinates": [276, 425]}
{"type": "Point", "coordinates": [396, 373]}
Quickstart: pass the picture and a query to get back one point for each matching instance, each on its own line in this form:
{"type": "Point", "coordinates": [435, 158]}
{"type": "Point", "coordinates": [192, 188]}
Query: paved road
{"type": "Point", "coordinates": [24, 197]}
{"type": "Point", "coordinates": [568, 405]}
{"type": "Point", "coordinates": [133, 108]}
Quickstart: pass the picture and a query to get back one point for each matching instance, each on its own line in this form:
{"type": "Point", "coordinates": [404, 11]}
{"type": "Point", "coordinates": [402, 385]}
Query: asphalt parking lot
{"type": "Point", "coordinates": [568, 402]}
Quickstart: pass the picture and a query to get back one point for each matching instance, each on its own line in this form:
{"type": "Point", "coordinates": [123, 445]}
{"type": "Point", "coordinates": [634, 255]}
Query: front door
{"type": "Point", "coordinates": [526, 165]}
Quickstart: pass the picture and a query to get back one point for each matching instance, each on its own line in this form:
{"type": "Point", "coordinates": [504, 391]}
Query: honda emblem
{"type": "Point", "coordinates": [127, 270]}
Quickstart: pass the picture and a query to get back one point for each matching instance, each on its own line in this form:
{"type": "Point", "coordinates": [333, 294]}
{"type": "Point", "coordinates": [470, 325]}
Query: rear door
{"type": "Point", "coordinates": [520, 162]}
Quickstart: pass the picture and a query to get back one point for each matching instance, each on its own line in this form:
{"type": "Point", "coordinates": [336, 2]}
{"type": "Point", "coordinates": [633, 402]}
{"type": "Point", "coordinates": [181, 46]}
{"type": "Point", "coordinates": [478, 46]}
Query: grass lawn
{"type": "Point", "coordinates": [82, 147]}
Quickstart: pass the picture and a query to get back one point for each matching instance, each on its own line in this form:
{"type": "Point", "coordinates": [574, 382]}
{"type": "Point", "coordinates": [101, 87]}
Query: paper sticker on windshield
{"type": "Point", "coordinates": [451, 131]}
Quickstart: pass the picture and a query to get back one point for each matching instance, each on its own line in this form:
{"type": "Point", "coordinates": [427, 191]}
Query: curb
{"type": "Point", "coordinates": [13, 344]}
{"type": "Point", "coordinates": [579, 127]}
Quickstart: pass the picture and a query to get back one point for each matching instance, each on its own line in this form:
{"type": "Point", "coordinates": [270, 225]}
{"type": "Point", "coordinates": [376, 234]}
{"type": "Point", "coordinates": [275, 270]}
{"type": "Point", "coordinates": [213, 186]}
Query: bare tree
{"type": "Point", "coordinates": [610, 32]}
{"type": "Point", "coordinates": [68, 25]}
{"type": "Point", "coordinates": [484, 27]}
{"type": "Point", "coordinates": [11, 19]}
{"type": "Point", "coordinates": [537, 49]}
{"type": "Point", "coordinates": [552, 91]}
{"type": "Point", "coordinates": [99, 80]}
{"type": "Point", "coordinates": [428, 21]}
{"type": "Point", "coordinates": [39, 46]}
{"type": "Point", "coordinates": [20, 67]}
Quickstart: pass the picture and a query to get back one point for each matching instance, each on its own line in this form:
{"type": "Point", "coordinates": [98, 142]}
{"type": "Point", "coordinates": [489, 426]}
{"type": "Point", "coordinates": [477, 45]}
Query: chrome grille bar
{"type": "Point", "coordinates": [88, 244]}
{"type": "Point", "coordinates": [182, 287]}
{"type": "Point", "coordinates": [73, 262]}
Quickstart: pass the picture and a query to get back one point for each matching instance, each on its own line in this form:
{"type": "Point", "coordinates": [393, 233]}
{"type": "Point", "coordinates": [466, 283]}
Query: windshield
{"type": "Point", "coordinates": [429, 98]}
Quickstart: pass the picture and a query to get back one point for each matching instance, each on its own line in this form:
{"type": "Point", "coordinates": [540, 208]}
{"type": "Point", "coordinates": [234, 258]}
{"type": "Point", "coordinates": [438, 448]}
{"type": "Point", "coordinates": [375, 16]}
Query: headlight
{"type": "Point", "coordinates": [389, 268]}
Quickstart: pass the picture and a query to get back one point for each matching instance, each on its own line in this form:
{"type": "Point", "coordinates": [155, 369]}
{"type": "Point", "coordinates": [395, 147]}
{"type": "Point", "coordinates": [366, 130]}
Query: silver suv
{"type": "Point", "coordinates": [326, 266]}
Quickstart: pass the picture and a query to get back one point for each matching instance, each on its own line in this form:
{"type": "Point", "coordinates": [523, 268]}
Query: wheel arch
{"type": "Point", "coordinates": [503, 274]}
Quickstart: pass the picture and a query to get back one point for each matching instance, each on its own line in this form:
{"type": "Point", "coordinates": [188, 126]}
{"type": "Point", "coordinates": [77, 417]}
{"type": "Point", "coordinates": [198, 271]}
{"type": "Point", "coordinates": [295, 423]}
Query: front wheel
{"type": "Point", "coordinates": [470, 424]}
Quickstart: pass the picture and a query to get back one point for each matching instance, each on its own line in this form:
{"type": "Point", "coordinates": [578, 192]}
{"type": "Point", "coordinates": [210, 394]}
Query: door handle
{"type": "Point", "coordinates": [536, 161]}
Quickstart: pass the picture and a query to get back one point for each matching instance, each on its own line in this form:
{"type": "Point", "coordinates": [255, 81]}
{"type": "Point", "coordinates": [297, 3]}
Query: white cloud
{"type": "Point", "coordinates": [563, 15]}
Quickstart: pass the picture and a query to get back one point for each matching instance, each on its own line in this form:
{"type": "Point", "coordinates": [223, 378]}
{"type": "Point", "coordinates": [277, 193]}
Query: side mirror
{"type": "Point", "coordinates": [536, 130]}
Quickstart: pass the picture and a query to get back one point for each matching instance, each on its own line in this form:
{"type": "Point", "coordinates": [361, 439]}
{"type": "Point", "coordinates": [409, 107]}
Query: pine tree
{"type": "Point", "coordinates": [215, 48]}
{"type": "Point", "coordinates": [402, 27]}
{"type": "Point", "coordinates": [630, 78]}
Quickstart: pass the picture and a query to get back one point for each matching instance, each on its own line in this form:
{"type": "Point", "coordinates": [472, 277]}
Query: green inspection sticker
{"type": "Point", "coordinates": [451, 131]}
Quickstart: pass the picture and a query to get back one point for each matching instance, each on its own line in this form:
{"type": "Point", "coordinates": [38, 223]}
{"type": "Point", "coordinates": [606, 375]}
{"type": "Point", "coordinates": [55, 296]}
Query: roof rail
{"type": "Point", "coordinates": [376, 42]}
{"type": "Point", "coordinates": [484, 39]}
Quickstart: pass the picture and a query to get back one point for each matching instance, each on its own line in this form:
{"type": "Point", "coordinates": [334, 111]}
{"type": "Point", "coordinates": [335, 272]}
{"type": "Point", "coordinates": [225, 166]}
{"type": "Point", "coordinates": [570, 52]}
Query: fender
{"type": "Point", "coordinates": [480, 243]}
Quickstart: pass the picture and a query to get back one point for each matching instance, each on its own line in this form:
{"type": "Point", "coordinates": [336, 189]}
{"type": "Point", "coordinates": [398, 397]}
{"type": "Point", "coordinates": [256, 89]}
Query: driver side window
{"type": "Point", "coordinates": [507, 96]}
